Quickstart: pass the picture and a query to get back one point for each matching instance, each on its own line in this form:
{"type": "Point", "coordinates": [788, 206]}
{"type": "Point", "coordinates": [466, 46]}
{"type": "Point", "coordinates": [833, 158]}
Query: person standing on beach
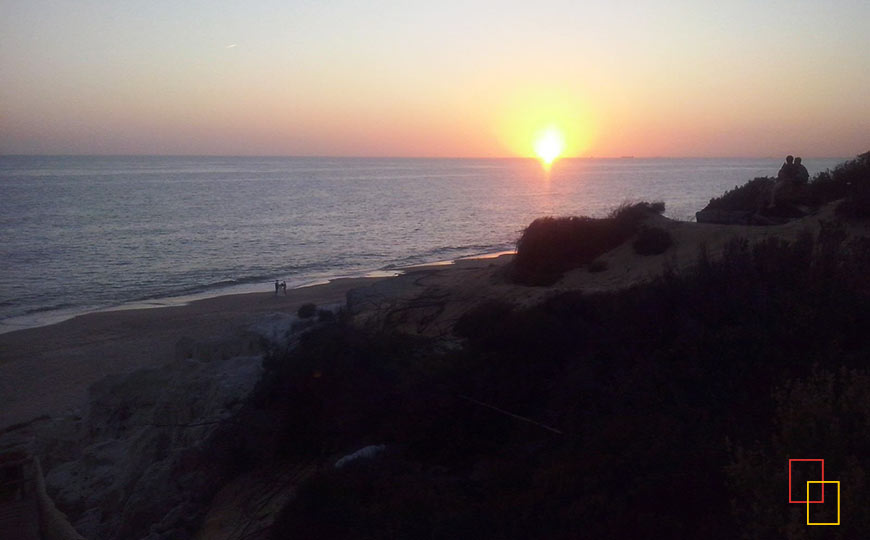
{"type": "Point", "coordinates": [284, 287]}
{"type": "Point", "coordinates": [277, 286]}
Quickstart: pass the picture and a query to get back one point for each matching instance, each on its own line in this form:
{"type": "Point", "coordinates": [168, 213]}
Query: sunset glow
{"type": "Point", "coordinates": [549, 145]}
{"type": "Point", "coordinates": [547, 124]}
{"type": "Point", "coordinates": [320, 79]}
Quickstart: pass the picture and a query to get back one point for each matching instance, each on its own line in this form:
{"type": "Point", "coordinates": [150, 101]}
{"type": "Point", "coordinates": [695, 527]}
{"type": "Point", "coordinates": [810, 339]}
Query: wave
{"type": "Point", "coordinates": [440, 254]}
{"type": "Point", "coordinates": [53, 307]}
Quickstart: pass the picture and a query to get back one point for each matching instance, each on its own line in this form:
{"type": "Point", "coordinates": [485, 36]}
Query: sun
{"type": "Point", "coordinates": [549, 144]}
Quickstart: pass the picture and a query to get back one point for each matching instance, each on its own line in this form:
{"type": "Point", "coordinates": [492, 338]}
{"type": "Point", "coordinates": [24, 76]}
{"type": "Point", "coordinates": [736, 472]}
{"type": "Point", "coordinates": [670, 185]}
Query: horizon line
{"type": "Point", "coordinates": [337, 156]}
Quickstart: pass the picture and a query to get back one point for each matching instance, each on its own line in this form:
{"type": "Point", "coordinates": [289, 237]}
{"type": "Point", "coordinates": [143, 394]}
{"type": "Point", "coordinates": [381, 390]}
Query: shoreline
{"type": "Point", "coordinates": [47, 370]}
{"type": "Point", "coordinates": [49, 318]}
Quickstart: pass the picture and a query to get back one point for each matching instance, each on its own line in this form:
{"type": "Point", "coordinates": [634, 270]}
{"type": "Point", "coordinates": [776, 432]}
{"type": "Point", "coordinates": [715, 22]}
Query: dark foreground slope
{"type": "Point", "coordinates": [668, 410]}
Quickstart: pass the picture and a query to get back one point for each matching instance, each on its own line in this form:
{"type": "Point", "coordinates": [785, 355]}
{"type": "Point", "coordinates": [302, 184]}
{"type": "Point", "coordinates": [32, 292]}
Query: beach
{"type": "Point", "coordinates": [47, 370]}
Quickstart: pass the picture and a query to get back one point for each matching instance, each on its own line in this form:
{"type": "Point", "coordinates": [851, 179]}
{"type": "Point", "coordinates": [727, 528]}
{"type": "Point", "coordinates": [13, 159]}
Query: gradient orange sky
{"type": "Point", "coordinates": [469, 78]}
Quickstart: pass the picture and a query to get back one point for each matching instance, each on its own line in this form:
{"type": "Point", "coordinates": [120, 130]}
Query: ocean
{"type": "Point", "coordinates": [82, 233]}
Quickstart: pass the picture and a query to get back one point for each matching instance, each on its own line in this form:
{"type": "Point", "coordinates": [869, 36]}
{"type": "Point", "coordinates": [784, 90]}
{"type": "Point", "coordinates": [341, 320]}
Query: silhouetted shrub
{"type": "Point", "coordinates": [629, 214]}
{"type": "Point", "coordinates": [551, 245]}
{"type": "Point", "coordinates": [382, 499]}
{"type": "Point", "coordinates": [334, 388]}
{"type": "Point", "coordinates": [824, 187]}
{"type": "Point", "coordinates": [855, 176]}
{"type": "Point", "coordinates": [652, 241]}
{"type": "Point", "coordinates": [325, 315]}
{"type": "Point", "coordinates": [748, 197]}
{"type": "Point", "coordinates": [480, 319]}
{"type": "Point", "coordinates": [306, 311]}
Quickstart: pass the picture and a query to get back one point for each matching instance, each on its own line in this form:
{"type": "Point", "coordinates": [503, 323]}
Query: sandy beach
{"type": "Point", "coordinates": [47, 370]}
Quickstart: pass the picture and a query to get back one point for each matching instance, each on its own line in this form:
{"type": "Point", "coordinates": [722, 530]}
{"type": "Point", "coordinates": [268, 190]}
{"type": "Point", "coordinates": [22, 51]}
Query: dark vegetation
{"type": "Point", "coordinates": [748, 197]}
{"type": "Point", "coordinates": [652, 241]}
{"type": "Point", "coordinates": [552, 245]}
{"type": "Point", "coordinates": [853, 177]}
{"type": "Point", "coordinates": [306, 311]}
{"type": "Point", "coordinates": [849, 181]}
{"type": "Point", "coordinates": [665, 411]}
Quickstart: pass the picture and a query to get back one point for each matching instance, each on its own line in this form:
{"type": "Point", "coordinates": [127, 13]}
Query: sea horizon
{"type": "Point", "coordinates": [350, 156]}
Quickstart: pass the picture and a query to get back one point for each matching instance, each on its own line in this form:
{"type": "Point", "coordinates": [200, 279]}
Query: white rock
{"type": "Point", "coordinates": [367, 452]}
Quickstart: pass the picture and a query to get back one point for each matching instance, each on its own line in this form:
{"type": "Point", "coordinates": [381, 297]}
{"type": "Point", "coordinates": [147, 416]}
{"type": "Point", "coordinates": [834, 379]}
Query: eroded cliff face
{"type": "Point", "coordinates": [148, 455]}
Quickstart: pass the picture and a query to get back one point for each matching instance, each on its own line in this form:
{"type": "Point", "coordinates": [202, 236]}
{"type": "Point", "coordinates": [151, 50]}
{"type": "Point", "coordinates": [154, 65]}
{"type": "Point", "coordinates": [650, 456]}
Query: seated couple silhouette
{"type": "Point", "coordinates": [790, 178]}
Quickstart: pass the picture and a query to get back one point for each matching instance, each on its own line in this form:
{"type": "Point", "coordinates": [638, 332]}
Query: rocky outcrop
{"type": "Point", "coordinates": [53, 523]}
{"type": "Point", "coordinates": [246, 508]}
{"type": "Point", "coordinates": [154, 446]}
{"type": "Point", "coordinates": [142, 466]}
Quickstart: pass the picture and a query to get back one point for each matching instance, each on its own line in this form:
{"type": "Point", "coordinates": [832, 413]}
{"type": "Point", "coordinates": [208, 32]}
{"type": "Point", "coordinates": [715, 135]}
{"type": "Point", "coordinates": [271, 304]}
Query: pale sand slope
{"type": "Point", "coordinates": [47, 371]}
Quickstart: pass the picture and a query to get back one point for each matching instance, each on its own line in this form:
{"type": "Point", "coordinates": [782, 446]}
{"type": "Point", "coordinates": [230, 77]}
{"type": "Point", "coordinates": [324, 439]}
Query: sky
{"type": "Point", "coordinates": [438, 78]}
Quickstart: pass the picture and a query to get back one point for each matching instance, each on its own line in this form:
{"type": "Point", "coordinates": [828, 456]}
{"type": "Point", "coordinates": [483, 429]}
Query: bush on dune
{"type": "Point", "coordinates": [854, 176]}
{"type": "Point", "coordinates": [629, 214]}
{"type": "Point", "coordinates": [553, 245]}
{"type": "Point", "coordinates": [747, 197]}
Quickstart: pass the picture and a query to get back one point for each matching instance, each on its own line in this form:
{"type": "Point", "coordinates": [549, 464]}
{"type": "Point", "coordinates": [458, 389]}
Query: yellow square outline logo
{"type": "Point", "coordinates": [808, 499]}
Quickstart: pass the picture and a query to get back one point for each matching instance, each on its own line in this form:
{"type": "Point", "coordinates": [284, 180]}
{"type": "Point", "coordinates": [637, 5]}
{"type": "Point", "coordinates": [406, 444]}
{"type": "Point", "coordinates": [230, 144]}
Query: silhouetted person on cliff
{"type": "Point", "coordinates": [801, 174]}
{"type": "Point", "coordinates": [788, 169]}
{"type": "Point", "coordinates": [785, 179]}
